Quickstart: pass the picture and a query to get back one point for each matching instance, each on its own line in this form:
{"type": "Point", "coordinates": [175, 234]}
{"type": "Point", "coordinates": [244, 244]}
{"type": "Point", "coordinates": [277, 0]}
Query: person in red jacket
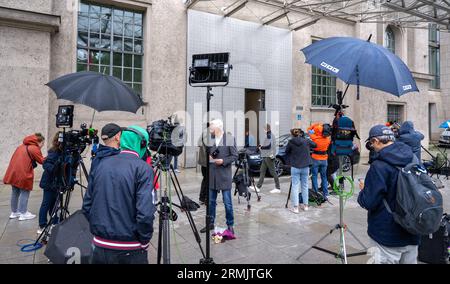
{"type": "Point", "coordinates": [320, 157]}
{"type": "Point", "coordinates": [20, 174]}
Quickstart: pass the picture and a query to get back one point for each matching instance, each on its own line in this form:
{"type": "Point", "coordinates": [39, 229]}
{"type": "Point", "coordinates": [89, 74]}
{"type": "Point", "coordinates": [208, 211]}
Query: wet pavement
{"type": "Point", "coordinates": [267, 233]}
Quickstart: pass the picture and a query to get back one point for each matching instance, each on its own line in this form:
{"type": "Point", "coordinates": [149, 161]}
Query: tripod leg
{"type": "Point", "coordinates": [160, 237]}
{"type": "Point", "coordinates": [318, 242]}
{"type": "Point", "coordinates": [179, 193]}
{"type": "Point", "coordinates": [358, 240]}
{"type": "Point", "coordinates": [289, 195]}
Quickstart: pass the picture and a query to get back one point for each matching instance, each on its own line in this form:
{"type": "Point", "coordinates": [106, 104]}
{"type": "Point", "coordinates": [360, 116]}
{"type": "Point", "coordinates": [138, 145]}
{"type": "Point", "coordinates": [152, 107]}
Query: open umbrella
{"type": "Point", "coordinates": [445, 124]}
{"type": "Point", "coordinates": [359, 62]}
{"type": "Point", "coordinates": [96, 90]}
{"type": "Point", "coordinates": [70, 241]}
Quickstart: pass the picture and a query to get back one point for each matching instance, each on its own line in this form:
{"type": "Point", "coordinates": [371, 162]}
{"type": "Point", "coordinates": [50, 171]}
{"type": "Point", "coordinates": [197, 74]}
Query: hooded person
{"type": "Point", "coordinates": [391, 242]}
{"type": "Point", "coordinates": [411, 137]}
{"type": "Point", "coordinates": [120, 202]}
{"type": "Point", "coordinates": [20, 174]}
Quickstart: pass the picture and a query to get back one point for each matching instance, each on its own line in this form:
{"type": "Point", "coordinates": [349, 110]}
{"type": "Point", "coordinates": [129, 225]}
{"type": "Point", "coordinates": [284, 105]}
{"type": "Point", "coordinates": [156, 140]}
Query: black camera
{"type": "Point", "coordinates": [64, 117]}
{"type": "Point", "coordinates": [369, 146]}
{"type": "Point", "coordinates": [215, 153]}
{"type": "Point", "coordinates": [166, 137]}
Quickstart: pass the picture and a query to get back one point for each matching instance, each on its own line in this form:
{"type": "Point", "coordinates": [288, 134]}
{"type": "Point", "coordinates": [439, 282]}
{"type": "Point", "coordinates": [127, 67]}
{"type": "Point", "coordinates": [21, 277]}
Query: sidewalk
{"type": "Point", "coordinates": [268, 233]}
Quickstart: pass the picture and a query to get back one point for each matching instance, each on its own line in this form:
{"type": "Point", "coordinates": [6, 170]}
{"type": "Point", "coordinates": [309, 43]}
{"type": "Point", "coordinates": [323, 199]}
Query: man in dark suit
{"type": "Point", "coordinates": [223, 152]}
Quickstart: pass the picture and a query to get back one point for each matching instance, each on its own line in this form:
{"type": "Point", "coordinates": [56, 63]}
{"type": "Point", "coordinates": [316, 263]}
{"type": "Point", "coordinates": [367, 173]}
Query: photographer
{"type": "Point", "coordinates": [223, 154]}
{"type": "Point", "coordinates": [298, 152]}
{"type": "Point", "coordinates": [20, 174]}
{"type": "Point", "coordinates": [49, 183]}
{"type": "Point", "coordinates": [268, 152]}
{"type": "Point", "coordinates": [320, 157]}
{"type": "Point", "coordinates": [120, 203]}
{"type": "Point", "coordinates": [110, 135]}
{"type": "Point", "coordinates": [391, 242]}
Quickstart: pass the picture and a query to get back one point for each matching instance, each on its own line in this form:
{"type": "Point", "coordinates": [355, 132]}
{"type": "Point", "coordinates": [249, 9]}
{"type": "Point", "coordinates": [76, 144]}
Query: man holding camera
{"type": "Point", "coordinates": [120, 203]}
{"type": "Point", "coordinates": [223, 153]}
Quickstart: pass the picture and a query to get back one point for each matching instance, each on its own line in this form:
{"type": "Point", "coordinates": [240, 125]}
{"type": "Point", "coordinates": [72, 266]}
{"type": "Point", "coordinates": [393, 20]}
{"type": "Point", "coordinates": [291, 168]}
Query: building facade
{"type": "Point", "coordinates": [149, 43]}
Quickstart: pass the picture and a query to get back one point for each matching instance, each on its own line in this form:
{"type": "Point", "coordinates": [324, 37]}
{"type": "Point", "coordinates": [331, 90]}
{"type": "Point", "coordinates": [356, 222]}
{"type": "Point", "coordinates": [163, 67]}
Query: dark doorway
{"type": "Point", "coordinates": [255, 101]}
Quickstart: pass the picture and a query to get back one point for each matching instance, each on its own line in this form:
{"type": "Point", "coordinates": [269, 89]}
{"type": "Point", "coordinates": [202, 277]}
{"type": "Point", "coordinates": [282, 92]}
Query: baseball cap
{"type": "Point", "coordinates": [379, 130]}
{"type": "Point", "coordinates": [110, 130]}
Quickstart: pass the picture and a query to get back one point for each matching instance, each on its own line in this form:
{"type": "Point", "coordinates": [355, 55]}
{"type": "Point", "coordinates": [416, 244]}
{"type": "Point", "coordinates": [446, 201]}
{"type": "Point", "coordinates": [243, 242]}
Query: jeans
{"type": "Point", "coordinates": [109, 256]}
{"type": "Point", "coordinates": [299, 180]}
{"type": "Point", "coordinates": [19, 200]}
{"type": "Point", "coordinates": [226, 195]}
{"type": "Point", "coordinates": [48, 203]}
{"type": "Point", "coordinates": [268, 163]}
{"type": "Point", "coordinates": [320, 166]}
{"type": "Point", "coordinates": [175, 163]}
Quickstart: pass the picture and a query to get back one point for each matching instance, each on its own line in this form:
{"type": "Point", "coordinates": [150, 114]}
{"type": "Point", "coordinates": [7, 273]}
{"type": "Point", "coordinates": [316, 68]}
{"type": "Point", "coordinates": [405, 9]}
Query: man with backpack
{"type": "Point", "coordinates": [392, 243]}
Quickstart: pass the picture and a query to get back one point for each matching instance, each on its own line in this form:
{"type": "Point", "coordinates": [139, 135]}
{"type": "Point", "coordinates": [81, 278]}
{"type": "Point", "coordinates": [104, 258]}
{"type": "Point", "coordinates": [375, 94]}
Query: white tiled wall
{"type": "Point", "coordinates": [261, 57]}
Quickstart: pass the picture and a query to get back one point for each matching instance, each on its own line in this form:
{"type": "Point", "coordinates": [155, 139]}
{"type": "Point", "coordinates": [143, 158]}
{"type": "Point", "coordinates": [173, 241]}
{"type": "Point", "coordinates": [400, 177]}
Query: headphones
{"type": "Point", "coordinates": [143, 140]}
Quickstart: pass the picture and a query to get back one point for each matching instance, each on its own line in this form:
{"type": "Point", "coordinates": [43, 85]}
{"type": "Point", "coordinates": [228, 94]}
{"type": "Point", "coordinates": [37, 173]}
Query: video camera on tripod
{"type": "Point", "coordinates": [166, 137]}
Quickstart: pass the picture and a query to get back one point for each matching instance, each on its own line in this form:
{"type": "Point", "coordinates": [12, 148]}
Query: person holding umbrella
{"type": "Point", "coordinates": [120, 203]}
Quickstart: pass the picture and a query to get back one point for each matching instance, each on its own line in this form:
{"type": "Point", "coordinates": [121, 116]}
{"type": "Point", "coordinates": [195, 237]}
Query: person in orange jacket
{"type": "Point", "coordinates": [20, 174]}
{"type": "Point", "coordinates": [320, 157]}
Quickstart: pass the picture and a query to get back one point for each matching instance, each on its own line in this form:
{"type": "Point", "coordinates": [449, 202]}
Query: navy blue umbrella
{"type": "Point", "coordinates": [361, 62]}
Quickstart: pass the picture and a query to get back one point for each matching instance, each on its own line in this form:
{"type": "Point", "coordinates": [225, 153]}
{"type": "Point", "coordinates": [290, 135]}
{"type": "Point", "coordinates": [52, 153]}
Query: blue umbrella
{"type": "Point", "coordinates": [445, 124]}
{"type": "Point", "coordinates": [360, 62]}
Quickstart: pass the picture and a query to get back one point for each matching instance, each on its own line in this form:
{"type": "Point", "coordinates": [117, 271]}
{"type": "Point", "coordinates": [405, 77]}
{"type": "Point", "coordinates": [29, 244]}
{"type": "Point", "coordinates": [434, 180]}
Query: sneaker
{"type": "Point", "coordinates": [211, 228]}
{"type": "Point", "coordinates": [14, 215]}
{"type": "Point", "coordinates": [294, 210]}
{"type": "Point", "coordinates": [305, 208]}
{"type": "Point", "coordinates": [177, 171]}
{"type": "Point", "coordinates": [39, 231]}
{"type": "Point", "coordinates": [255, 188]}
{"type": "Point", "coordinates": [26, 216]}
{"type": "Point", "coordinates": [275, 190]}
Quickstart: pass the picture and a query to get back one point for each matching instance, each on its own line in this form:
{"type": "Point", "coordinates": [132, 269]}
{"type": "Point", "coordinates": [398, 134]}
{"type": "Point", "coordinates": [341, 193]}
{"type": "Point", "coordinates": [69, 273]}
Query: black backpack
{"type": "Point", "coordinates": [418, 204]}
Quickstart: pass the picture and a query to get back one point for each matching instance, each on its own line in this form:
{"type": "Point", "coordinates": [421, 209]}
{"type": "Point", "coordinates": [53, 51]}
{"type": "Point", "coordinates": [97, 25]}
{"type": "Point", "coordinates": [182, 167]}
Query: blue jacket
{"type": "Point", "coordinates": [411, 138]}
{"type": "Point", "coordinates": [381, 183]}
{"type": "Point", "coordinates": [48, 180]}
{"type": "Point", "coordinates": [120, 202]}
{"type": "Point", "coordinates": [102, 152]}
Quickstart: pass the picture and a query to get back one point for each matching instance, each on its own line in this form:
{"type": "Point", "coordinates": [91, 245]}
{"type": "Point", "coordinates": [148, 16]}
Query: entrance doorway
{"type": "Point", "coordinates": [255, 101]}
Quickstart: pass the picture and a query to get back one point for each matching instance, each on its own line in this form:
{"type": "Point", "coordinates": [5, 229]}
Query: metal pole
{"type": "Point", "coordinates": [343, 253]}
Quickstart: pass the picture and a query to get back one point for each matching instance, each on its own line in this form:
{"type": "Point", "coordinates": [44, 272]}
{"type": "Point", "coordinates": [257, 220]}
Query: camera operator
{"type": "Point", "coordinates": [298, 151]}
{"type": "Point", "coordinates": [391, 242]}
{"type": "Point", "coordinates": [120, 203]}
{"type": "Point", "coordinates": [320, 157]}
{"type": "Point", "coordinates": [223, 154]}
{"type": "Point", "coordinates": [20, 174]}
{"type": "Point", "coordinates": [49, 183]}
{"type": "Point", "coordinates": [110, 135]}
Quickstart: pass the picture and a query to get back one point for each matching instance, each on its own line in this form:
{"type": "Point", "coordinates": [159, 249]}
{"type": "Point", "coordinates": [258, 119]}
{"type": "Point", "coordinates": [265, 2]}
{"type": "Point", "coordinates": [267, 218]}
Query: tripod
{"type": "Point", "coordinates": [248, 180]}
{"type": "Point", "coordinates": [342, 227]}
{"type": "Point", "coordinates": [65, 188]}
{"type": "Point", "coordinates": [166, 214]}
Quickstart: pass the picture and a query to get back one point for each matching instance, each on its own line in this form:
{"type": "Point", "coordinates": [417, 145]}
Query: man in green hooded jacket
{"type": "Point", "coordinates": [120, 202]}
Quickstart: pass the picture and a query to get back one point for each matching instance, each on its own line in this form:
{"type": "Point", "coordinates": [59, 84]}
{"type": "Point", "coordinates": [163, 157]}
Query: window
{"type": "Point", "coordinates": [434, 56]}
{"type": "Point", "coordinates": [389, 39]}
{"type": "Point", "coordinates": [323, 88]}
{"type": "Point", "coordinates": [110, 41]}
{"type": "Point", "coordinates": [395, 113]}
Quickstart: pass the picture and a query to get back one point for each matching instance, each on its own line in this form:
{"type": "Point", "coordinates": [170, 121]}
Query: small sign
{"type": "Point", "coordinates": [299, 117]}
{"type": "Point", "coordinates": [298, 108]}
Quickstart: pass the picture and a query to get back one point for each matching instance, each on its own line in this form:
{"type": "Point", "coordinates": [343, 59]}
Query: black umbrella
{"type": "Point", "coordinates": [100, 92]}
{"type": "Point", "coordinates": [70, 241]}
